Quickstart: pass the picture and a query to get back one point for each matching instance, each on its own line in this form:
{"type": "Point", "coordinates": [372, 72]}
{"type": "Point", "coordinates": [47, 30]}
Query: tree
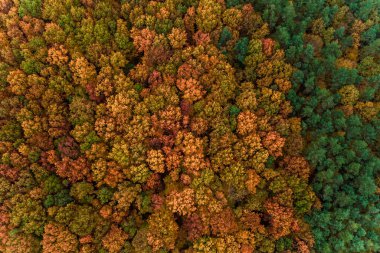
{"type": "Point", "coordinates": [163, 230]}
{"type": "Point", "coordinates": [115, 239]}
{"type": "Point", "coordinates": [28, 214]}
{"type": "Point", "coordinates": [57, 238]}
{"type": "Point", "coordinates": [30, 7]}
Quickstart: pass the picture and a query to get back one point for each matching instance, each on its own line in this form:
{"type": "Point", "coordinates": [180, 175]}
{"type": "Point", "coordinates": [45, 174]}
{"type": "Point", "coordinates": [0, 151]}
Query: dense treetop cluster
{"type": "Point", "coordinates": [189, 126]}
{"type": "Point", "coordinates": [335, 47]}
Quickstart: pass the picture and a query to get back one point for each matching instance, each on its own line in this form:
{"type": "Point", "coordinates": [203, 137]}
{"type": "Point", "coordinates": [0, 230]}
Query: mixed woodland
{"type": "Point", "coordinates": [215, 126]}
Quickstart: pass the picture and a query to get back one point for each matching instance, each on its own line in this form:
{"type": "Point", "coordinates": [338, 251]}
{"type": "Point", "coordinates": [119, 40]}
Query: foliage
{"type": "Point", "coordinates": [189, 126]}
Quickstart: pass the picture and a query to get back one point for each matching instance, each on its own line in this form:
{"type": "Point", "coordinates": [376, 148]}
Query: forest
{"type": "Point", "coordinates": [189, 126]}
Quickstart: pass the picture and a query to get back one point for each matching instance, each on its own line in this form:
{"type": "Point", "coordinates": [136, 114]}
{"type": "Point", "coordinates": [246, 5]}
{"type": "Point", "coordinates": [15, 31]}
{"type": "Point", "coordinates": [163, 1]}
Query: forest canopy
{"type": "Point", "coordinates": [215, 126]}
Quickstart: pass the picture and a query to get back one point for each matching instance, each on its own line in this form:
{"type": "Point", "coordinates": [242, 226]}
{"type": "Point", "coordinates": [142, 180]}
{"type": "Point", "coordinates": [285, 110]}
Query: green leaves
{"type": "Point", "coordinates": [10, 131]}
{"type": "Point", "coordinates": [225, 36]}
{"type": "Point", "coordinates": [241, 49]}
{"type": "Point", "coordinates": [104, 194]}
{"type": "Point", "coordinates": [30, 8]}
{"type": "Point", "coordinates": [234, 110]}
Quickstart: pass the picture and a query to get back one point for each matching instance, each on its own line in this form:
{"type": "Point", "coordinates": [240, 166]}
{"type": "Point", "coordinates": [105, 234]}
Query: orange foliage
{"type": "Point", "coordinates": [57, 238]}
{"type": "Point", "coordinates": [114, 240]}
